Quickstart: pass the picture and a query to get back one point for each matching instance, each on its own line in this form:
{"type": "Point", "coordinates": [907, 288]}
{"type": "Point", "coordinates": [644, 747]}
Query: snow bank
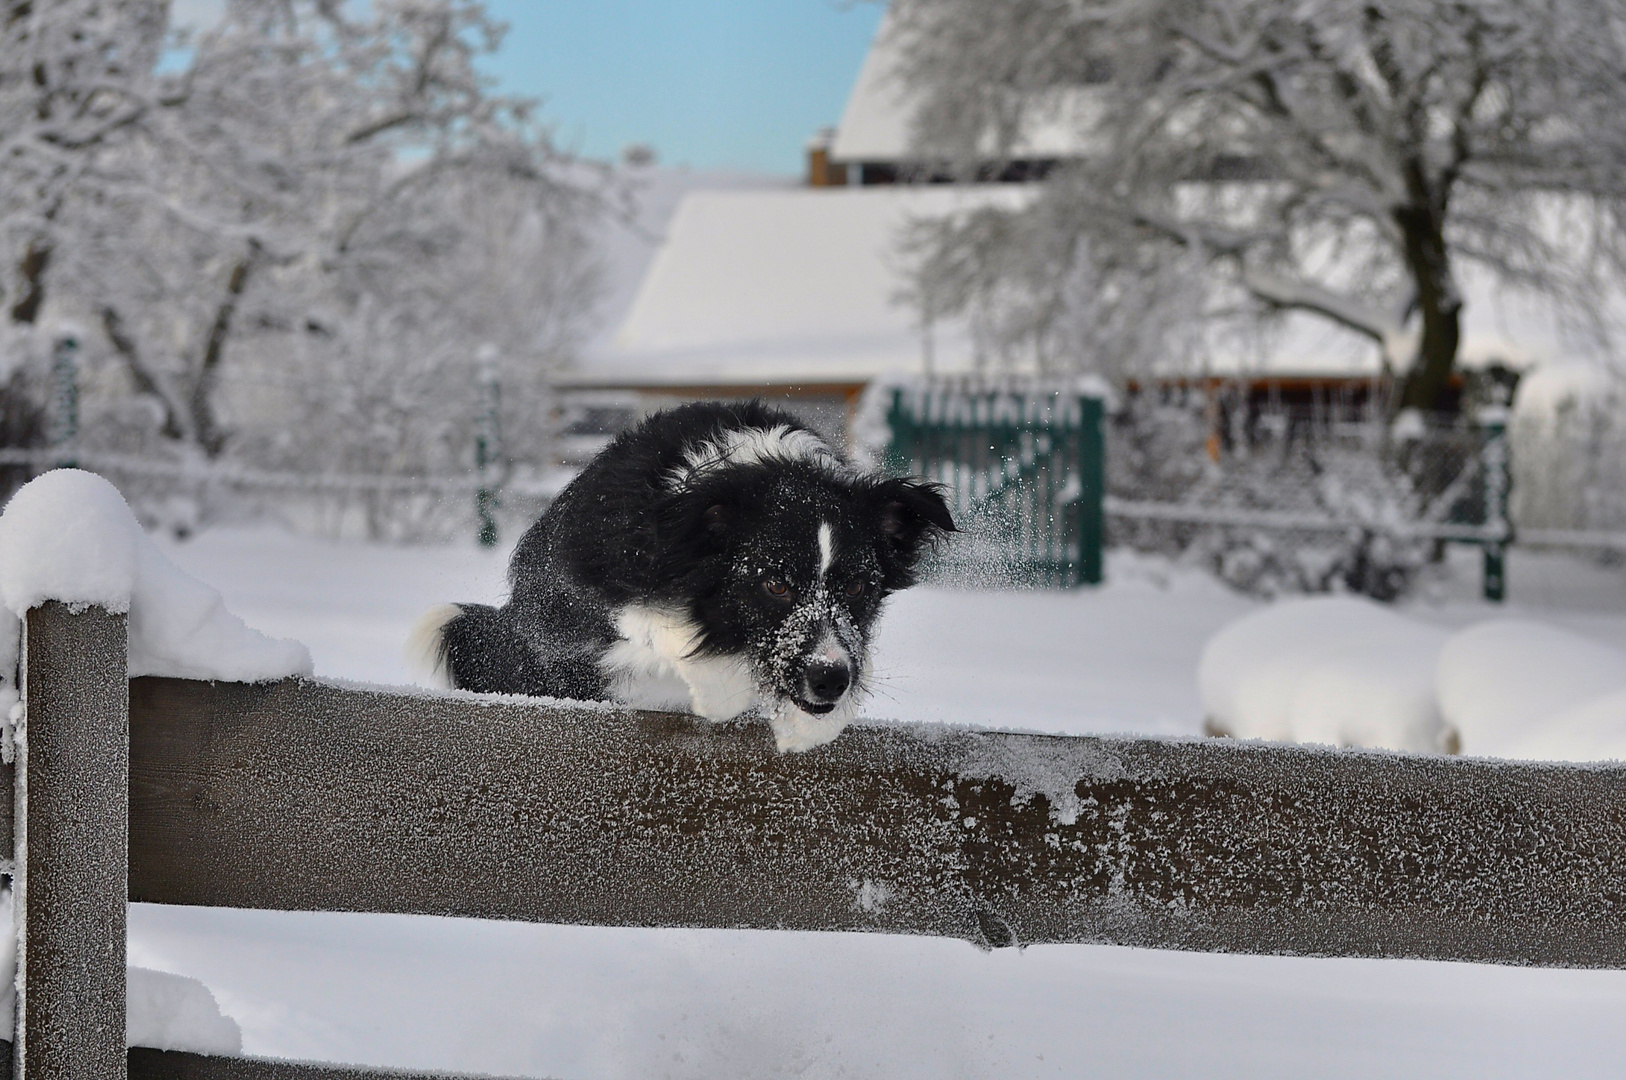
{"type": "Point", "coordinates": [1592, 731]}
{"type": "Point", "coordinates": [1335, 670]}
{"type": "Point", "coordinates": [68, 536]}
{"type": "Point", "coordinates": [1349, 672]}
{"type": "Point", "coordinates": [173, 1012]}
{"type": "Point", "coordinates": [163, 1011]}
{"type": "Point", "coordinates": [1508, 686]}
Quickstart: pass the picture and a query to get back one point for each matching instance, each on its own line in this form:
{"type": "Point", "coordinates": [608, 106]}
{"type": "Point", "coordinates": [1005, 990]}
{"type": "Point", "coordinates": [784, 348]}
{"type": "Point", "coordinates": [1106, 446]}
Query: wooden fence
{"type": "Point", "coordinates": [302, 795]}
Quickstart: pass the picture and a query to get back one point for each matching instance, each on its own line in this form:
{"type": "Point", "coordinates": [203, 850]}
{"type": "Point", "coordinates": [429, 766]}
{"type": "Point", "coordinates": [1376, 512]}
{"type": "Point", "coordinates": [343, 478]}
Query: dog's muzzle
{"type": "Point", "coordinates": [823, 684]}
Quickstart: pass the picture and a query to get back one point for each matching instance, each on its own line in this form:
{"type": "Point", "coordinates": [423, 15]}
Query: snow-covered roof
{"type": "Point", "coordinates": [782, 287]}
{"type": "Point", "coordinates": [800, 286]}
{"type": "Point", "coordinates": [876, 124]}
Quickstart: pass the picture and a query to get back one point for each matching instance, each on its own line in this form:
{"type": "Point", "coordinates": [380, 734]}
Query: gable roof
{"type": "Point", "coordinates": [785, 286]}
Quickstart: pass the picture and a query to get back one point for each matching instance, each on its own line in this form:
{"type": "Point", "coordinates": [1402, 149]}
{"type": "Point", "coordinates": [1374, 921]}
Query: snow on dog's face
{"type": "Point", "coordinates": [787, 562]}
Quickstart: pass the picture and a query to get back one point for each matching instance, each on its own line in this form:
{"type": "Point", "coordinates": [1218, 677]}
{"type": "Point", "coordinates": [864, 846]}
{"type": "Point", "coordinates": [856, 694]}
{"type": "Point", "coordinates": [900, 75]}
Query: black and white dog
{"type": "Point", "coordinates": [718, 559]}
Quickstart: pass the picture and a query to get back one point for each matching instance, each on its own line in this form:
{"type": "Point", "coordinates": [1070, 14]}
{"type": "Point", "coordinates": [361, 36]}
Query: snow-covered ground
{"type": "Point", "coordinates": [593, 1002]}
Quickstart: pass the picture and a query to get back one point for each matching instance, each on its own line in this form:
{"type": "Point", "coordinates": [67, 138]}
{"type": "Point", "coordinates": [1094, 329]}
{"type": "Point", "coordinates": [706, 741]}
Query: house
{"type": "Point", "coordinates": [799, 295]}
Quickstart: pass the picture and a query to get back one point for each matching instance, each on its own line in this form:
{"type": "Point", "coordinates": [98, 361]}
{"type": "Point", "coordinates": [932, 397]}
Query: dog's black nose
{"type": "Point", "coordinates": [827, 682]}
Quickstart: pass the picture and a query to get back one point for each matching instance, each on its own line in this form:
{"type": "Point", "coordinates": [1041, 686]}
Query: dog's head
{"type": "Point", "coordinates": [785, 563]}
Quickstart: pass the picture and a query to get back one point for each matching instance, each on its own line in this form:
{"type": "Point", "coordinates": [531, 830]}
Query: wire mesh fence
{"type": "Point", "coordinates": [180, 495]}
{"type": "Point", "coordinates": [1283, 500]}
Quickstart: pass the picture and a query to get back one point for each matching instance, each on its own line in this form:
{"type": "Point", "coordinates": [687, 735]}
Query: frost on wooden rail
{"type": "Point", "coordinates": [299, 794]}
{"type": "Point", "coordinates": [306, 795]}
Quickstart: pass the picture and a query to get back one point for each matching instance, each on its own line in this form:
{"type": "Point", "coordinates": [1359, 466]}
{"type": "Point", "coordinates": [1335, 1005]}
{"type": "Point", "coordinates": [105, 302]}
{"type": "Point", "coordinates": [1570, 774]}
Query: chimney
{"type": "Point", "coordinates": [821, 171]}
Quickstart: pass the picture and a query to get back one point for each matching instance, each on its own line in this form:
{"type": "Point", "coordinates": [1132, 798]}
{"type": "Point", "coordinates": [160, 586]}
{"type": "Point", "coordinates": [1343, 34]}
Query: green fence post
{"type": "Point", "coordinates": [1493, 458]}
{"type": "Point", "coordinates": [63, 422]}
{"type": "Point", "coordinates": [900, 448]}
{"type": "Point", "coordinates": [486, 439]}
{"type": "Point", "coordinates": [1092, 476]}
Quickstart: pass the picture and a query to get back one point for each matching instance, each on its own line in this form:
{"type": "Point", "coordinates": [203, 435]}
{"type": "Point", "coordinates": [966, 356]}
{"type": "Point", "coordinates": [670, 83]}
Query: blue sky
{"type": "Point", "coordinates": [712, 84]}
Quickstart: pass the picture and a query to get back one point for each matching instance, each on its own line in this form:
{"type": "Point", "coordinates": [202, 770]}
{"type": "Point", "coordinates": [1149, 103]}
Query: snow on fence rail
{"type": "Point", "coordinates": [305, 795]}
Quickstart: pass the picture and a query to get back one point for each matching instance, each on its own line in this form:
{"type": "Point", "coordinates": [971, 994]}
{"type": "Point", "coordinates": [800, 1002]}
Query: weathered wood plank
{"type": "Point", "coordinates": [302, 795]}
{"type": "Point", "coordinates": [72, 791]}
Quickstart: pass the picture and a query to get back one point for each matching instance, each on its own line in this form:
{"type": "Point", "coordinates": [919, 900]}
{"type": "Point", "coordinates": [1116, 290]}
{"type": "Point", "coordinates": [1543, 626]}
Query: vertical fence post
{"type": "Point", "coordinates": [900, 449]}
{"type": "Point", "coordinates": [63, 422]}
{"type": "Point", "coordinates": [1089, 509]}
{"type": "Point", "coordinates": [1492, 421]}
{"type": "Point", "coordinates": [72, 841]}
{"type": "Point", "coordinates": [486, 439]}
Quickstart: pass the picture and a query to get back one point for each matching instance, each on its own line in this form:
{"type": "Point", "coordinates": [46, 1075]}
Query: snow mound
{"type": "Point", "coordinates": [1508, 685]}
{"type": "Point", "coordinates": [69, 536]}
{"type": "Point", "coordinates": [173, 1012]}
{"type": "Point", "coordinates": [163, 1011]}
{"type": "Point", "coordinates": [1334, 670]}
{"type": "Point", "coordinates": [1592, 731]}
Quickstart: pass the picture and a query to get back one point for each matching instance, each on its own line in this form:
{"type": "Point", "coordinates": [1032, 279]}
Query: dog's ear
{"type": "Point", "coordinates": [911, 515]}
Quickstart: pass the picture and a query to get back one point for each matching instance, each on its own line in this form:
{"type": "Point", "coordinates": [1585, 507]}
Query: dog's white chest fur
{"type": "Point", "coordinates": [653, 667]}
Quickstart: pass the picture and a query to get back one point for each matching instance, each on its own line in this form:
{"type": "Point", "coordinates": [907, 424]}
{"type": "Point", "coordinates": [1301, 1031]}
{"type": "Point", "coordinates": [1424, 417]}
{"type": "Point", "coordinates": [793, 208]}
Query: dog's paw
{"type": "Point", "coordinates": [795, 731]}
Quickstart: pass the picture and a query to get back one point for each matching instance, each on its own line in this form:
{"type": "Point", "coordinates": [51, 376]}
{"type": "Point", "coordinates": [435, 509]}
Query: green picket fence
{"type": "Point", "coordinates": [1024, 472]}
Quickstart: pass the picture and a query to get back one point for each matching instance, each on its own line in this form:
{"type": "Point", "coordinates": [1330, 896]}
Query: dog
{"type": "Point", "coordinates": [720, 559]}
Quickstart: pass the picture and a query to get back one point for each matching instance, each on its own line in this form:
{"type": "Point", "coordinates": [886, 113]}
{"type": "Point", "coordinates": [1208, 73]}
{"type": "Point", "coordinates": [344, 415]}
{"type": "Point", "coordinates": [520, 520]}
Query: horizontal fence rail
{"type": "Point", "coordinates": [227, 475]}
{"type": "Point", "coordinates": [307, 795]}
{"type": "Point", "coordinates": [550, 813]}
{"type": "Point", "coordinates": [1137, 510]}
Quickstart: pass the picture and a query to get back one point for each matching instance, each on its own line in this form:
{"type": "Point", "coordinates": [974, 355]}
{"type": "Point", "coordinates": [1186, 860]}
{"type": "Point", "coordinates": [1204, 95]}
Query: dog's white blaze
{"type": "Point", "coordinates": [426, 645]}
{"type": "Point", "coordinates": [827, 548]}
{"type": "Point", "coordinates": [831, 650]}
{"type": "Point", "coordinates": [750, 446]}
{"type": "Point", "coordinates": [650, 667]}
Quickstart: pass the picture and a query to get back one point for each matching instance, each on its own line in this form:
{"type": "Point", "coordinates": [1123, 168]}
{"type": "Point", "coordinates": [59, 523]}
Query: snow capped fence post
{"type": "Point", "coordinates": [486, 440]}
{"type": "Point", "coordinates": [71, 844]}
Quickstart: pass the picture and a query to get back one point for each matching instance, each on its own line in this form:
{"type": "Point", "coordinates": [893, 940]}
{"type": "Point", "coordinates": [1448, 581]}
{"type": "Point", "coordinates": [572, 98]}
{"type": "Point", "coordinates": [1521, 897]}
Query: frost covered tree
{"type": "Point", "coordinates": [74, 80]}
{"type": "Point", "coordinates": [1344, 158]}
{"type": "Point", "coordinates": [273, 190]}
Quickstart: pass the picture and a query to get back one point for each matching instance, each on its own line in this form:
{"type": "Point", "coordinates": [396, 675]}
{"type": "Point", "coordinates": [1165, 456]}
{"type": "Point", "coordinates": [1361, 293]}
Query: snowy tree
{"type": "Point", "coordinates": [73, 82]}
{"type": "Point", "coordinates": [1346, 159]}
{"type": "Point", "coordinates": [299, 172]}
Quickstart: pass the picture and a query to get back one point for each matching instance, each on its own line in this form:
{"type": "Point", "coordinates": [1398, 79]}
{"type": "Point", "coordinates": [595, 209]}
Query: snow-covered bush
{"type": "Point", "coordinates": [1568, 436]}
{"type": "Point", "coordinates": [1333, 670]}
{"type": "Point", "coordinates": [1347, 672]}
{"type": "Point", "coordinates": [1254, 499]}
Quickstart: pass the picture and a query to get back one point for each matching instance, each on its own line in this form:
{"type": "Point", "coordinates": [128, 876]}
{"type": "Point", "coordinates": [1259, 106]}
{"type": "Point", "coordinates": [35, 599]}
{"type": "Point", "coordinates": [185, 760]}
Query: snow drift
{"type": "Point", "coordinates": [1335, 670]}
{"type": "Point", "coordinates": [162, 1010]}
{"type": "Point", "coordinates": [1349, 672]}
{"type": "Point", "coordinates": [1517, 688]}
{"type": "Point", "coordinates": [68, 535]}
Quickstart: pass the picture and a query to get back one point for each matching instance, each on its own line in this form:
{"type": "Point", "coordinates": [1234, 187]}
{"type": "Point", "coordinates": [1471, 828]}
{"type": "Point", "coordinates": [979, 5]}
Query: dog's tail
{"type": "Point", "coordinates": [473, 647]}
{"type": "Point", "coordinates": [426, 649]}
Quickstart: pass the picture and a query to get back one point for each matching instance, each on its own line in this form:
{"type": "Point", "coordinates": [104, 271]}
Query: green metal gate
{"type": "Point", "coordinates": [1024, 473]}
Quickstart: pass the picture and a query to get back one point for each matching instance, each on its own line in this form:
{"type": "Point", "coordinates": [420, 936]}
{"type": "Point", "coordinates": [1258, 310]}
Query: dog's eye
{"type": "Point", "coordinates": [776, 589]}
{"type": "Point", "coordinates": [854, 589]}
